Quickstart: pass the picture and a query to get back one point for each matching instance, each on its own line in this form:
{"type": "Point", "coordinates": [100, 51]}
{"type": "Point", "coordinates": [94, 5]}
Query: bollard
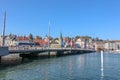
{"type": "Point", "coordinates": [0, 59]}
{"type": "Point", "coordinates": [49, 54]}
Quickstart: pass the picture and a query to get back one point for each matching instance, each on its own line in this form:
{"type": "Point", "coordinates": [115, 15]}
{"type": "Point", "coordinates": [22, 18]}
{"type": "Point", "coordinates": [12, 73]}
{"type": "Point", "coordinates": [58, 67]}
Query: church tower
{"type": "Point", "coordinates": [60, 39]}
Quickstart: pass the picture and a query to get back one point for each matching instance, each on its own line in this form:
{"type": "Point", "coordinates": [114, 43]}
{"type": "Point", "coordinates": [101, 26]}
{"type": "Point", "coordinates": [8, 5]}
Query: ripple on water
{"type": "Point", "coordinates": [76, 67]}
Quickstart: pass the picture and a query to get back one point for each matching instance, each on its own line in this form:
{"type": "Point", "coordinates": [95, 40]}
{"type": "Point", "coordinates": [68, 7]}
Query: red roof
{"type": "Point", "coordinates": [22, 38]}
{"type": "Point", "coordinates": [41, 42]}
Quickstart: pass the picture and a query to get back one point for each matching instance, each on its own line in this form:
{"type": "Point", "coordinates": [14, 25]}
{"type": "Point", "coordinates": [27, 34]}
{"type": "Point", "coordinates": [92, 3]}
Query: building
{"type": "Point", "coordinates": [112, 45]}
{"type": "Point", "coordinates": [66, 40]}
{"type": "Point", "coordinates": [15, 41]}
{"type": "Point", "coordinates": [39, 42]}
{"type": "Point", "coordinates": [82, 42]}
{"type": "Point", "coordinates": [8, 41]}
{"type": "Point", "coordinates": [99, 45]}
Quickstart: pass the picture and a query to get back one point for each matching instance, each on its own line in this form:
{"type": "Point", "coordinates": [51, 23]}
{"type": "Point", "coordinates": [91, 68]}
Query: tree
{"type": "Point", "coordinates": [96, 39]}
{"type": "Point", "coordinates": [77, 37]}
{"type": "Point", "coordinates": [10, 35]}
{"type": "Point", "coordinates": [38, 37]}
{"type": "Point", "coordinates": [30, 37]}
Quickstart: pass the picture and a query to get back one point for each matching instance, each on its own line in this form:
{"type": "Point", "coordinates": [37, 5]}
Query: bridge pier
{"type": "Point", "coordinates": [28, 56]}
{"type": "Point", "coordinates": [23, 57]}
{"type": "Point", "coordinates": [48, 53]}
{"type": "Point", "coordinates": [60, 53]}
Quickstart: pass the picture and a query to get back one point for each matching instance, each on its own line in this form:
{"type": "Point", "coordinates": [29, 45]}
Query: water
{"type": "Point", "coordinates": [75, 67]}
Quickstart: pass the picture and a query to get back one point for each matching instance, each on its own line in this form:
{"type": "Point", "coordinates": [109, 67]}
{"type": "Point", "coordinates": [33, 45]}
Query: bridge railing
{"type": "Point", "coordinates": [43, 48]}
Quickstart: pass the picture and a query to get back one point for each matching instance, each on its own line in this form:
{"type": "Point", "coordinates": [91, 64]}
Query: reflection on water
{"type": "Point", "coordinates": [70, 68]}
{"type": "Point", "coordinates": [81, 61]}
{"type": "Point", "coordinates": [75, 67]}
{"type": "Point", "coordinates": [102, 68]}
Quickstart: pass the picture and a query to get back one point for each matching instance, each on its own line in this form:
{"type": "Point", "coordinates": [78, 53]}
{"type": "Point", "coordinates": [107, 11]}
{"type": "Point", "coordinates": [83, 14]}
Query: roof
{"type": "Point", "coordinates": [41, 42]}
{"type": "Point", "coordinates": [22, 38]}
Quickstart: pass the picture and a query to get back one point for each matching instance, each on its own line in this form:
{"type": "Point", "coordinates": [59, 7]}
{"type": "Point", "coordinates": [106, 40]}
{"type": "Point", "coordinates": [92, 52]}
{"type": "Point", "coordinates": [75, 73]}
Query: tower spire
{"type": "Point", "coordinates": [61, 39]}
{"type": "Point", "coordinates": [61, 36]}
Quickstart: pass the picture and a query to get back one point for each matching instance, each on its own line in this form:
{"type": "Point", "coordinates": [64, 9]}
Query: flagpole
{"type": "Point", "coordinates": [49, 35]}
{"type": "Point", "coordinates": [71, 40]}
{"type": "Point", "coordinates": [3, 31]}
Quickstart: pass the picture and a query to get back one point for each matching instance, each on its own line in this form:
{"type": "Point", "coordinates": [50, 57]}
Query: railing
{"type": "Point", "coordinates": [44, 48]}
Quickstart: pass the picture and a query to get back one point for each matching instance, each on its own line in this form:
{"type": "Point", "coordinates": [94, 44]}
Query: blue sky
{"type": "Point", "coordinates": [96, 18]}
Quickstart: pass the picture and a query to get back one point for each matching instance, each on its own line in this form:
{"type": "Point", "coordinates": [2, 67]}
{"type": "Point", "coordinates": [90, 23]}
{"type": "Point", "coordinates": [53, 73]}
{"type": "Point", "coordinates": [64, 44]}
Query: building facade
{"type": "Point", "coordinates": [112, 45]}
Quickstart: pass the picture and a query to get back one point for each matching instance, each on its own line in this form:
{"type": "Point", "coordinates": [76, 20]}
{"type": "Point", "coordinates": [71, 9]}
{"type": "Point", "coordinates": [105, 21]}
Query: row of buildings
{"type": "Point", "coordinates": [108, 45]}
{"type": "Point", "coordinates": [80, 42]}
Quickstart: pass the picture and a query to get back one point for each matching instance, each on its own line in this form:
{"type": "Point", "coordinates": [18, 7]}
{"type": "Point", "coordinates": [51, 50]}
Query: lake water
{"type": "Point", "coordinates": [73, 67]}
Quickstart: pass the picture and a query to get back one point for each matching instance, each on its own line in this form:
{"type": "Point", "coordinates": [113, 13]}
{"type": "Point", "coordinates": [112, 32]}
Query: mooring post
{"type": "Point", "coordinates": [0, 59]}
{"type": "Point", "coordinates": [70, 50]}
{"type": "Point", "coordinates": [48, 53]}
{"type": "Point", "coordinates": [23, 59]}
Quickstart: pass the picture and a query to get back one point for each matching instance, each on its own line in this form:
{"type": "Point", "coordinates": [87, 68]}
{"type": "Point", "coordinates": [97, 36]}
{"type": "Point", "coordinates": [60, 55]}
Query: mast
{"type": "Point", "coordinates": [49, 35]}
{"type": "Point", "coordinates": [3, 30]}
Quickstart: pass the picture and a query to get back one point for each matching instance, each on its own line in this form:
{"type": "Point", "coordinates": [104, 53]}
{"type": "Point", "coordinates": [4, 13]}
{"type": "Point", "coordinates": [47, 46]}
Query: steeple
{"type": "Point", "coordinates": [60, 39]}
{"type": "Point", "coordinates": [61, 36]}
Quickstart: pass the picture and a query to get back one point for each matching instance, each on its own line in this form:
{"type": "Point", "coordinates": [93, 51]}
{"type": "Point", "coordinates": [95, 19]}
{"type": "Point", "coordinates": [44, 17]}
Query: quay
{"type": "Point", "coordinates": [34, 51]}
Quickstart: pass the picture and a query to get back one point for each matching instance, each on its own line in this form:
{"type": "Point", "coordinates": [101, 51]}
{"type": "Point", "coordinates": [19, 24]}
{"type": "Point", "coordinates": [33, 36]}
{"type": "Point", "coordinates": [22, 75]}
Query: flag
{"type": "Point", "coordinates": [71, 43]}
{"type": "Point", "coordinates": [46, 40]}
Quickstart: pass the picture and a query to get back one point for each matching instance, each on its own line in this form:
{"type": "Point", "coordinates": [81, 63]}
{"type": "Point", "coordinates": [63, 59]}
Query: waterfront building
{"type": "Point", "coordinates": [99, 45]}
{"type": "Point", "coordinates": [22, 41]}
{"type": "Point", "coordinates": [8, 41]}
{"type": "Point", "coordinates": [39, 42]}
{"type": "Point", "coordinates": [118, 44]}
{"type": "Point", "coordinates": [46, 41]}
{"type": "Point", "coordinates": [16, 41]}
{"type": "Point", "coordinates": [71, 43]}
{"type": "Point", "coordinates": [79, 42]}
{"type": "Point", "coordinates": [66, 41]}
{"type": "Point", "coordinates": [112, 45]}
{"type": "Point", "coordinates": [82, 42]}
{"type": "Point", "coordinates": [55, 43]}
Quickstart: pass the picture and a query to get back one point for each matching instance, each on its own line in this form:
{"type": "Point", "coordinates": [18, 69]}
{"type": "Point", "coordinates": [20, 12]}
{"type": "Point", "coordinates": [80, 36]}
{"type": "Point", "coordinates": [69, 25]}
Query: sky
{"type": "Point", "coordinates": [95, 18]}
